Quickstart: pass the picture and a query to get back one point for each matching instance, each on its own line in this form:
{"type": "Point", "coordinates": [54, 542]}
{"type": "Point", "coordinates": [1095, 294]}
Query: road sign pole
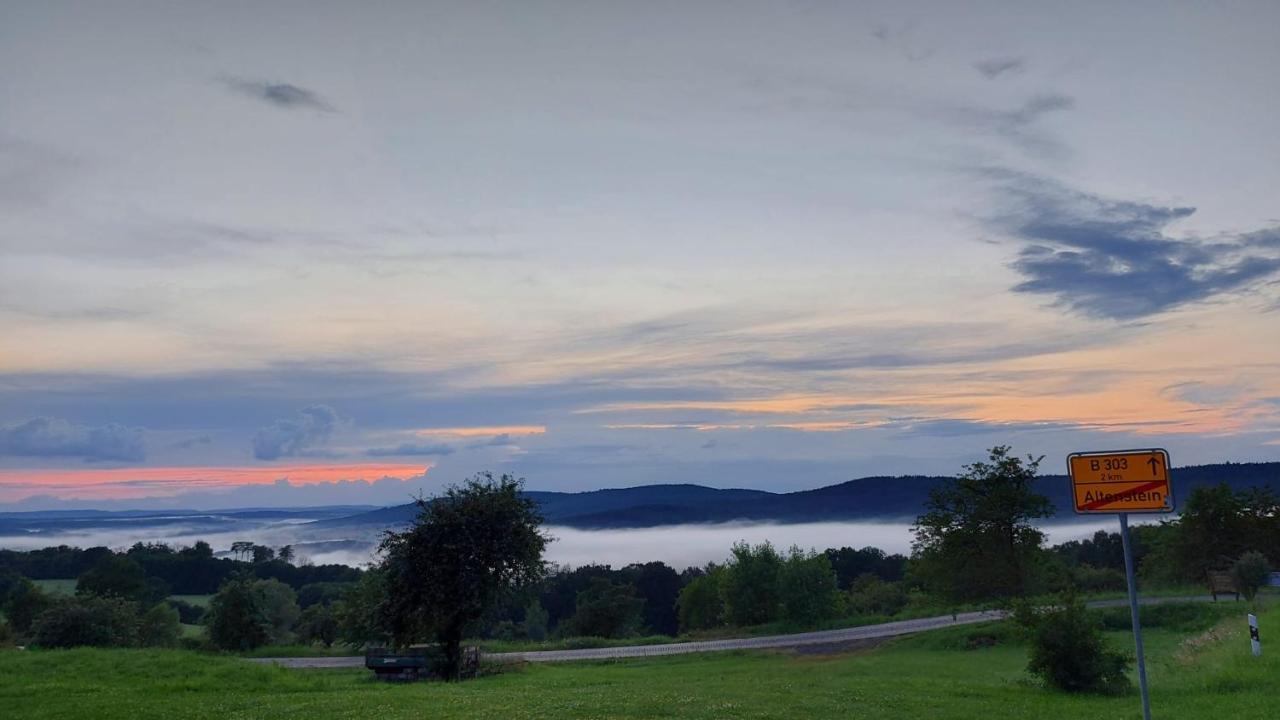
{"type": "Point", "coordinates": [1133, 614]}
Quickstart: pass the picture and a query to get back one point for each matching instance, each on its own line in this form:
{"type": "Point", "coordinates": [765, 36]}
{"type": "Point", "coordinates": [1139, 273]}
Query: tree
{"type": "Point", "coordinates": [1251, 572]}
{"type": "Point", "coordinates": [24, 604]}
{"type": "Point", "coordinates": [285, 553]}
{"type": "Point", "coordinates": [242, 549]}
{"type": "Point", "coordinates": [279, 606]}
{"type": "Point", "coordinates": [535, 621]}
{"type": "Point", "coordinates": [658, 585]}
{"type": "Point", "coordinates": [606, 609]}
{"type": "Point", "coordinates": [360, 612]}
{"type": "Point", "coordinates": [976, 539]}
{"type": "Point", "coordinates": [318, 624]}
{"type": "Point", "coordinates": [869, 595]}
{"type": "Point", "coordinates": [235, 620]}
{"type": "Point", "coordinates": [807, 587]}
{"type": "Point", "coordinates": [87, 620]}
{"type": "Point", "coordinates": [159, 626]}
{"type": "Point", "coordinates": [701, 602]}
{"type": "Point", "coordinates": [465, 552]}
{"type": "Point", "coordinates": [750, 587]}
{"type": "Point", "coordinates": [122, 577]}
{"type": "Point", "coordinates": [262, 554]}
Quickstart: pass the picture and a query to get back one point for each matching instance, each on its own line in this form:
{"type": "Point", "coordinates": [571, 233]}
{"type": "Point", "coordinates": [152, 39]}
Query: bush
{"type": "Point", "coordinates": [159, 626]}
{"type": "Point", "coordinates": [1087, 578]}
{"type": "Point", "coordinates": [1068, 650]}
{"type": "Point", "coordinates": [1251, 572]}
{"type": "Point", "coordinates": [870, 595]}
{"type": "Point", "coordinates": [319, 624]}
{"type": "Point", "coordinates": [1180, 617]}
{"type": "Point", "coordinates": [96, 621]}
{"type": "Point", "coordinates": [7, 636]}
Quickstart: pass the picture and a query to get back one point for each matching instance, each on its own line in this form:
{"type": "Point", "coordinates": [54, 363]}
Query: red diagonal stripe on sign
{"type": "Point", "coordinates": [1125, 495]}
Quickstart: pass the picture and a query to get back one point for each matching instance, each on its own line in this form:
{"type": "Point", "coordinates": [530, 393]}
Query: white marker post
{"type": "Point", "coordinates": [1254, 640]}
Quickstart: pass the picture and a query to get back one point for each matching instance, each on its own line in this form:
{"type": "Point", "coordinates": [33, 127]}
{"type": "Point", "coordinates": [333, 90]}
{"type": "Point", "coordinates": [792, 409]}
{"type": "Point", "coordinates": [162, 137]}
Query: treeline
{"type": "Point", "coordinates": [190, 570]}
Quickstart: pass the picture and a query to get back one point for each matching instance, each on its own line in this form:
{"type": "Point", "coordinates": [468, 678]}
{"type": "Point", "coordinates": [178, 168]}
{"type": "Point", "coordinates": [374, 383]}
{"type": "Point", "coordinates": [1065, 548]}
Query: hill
{"type": "Point", "coordinates": [872, 498]}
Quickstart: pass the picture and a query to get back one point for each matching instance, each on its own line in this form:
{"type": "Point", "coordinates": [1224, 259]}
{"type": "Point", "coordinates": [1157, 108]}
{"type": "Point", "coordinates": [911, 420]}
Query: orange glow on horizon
{"type": "Point", "coordinates": [482, 431]}
{"type": "Point", "coordinates": [133, 482]}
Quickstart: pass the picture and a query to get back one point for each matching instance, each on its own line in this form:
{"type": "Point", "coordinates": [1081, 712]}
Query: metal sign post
{"type": "Point", "coordinates": [1123, 482]}
{"type": "Point", "coordinates": [1133, 614]}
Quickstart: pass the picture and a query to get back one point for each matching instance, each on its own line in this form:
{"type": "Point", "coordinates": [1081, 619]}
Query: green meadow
{"type": "Point", "coordinates": [1198, 659]}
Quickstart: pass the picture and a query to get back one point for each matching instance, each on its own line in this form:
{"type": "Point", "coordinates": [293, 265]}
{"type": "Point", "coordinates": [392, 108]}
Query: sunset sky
{"type": "Point", "coordinates": [279, 253]}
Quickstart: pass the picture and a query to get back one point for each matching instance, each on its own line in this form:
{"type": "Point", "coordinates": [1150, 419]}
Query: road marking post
{"type": "Point", "coordinates": [1254, 640]}
{"type": "Point", "coordinates": [1123, 482]}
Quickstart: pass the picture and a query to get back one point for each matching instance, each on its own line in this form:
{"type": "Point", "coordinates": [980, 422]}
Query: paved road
{"type": "Point", "coordinates": [823, 637]}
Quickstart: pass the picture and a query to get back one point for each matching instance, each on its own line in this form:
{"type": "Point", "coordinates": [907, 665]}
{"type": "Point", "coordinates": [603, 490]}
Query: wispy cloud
{"type": "Point", "coordinates": [288, 437]}
{"type": "Point", "coordinates": [993, 68]}
{"type": "Point", "coordinates": [56, 438]}
{"type": "Point", "coordinates": [410, 449]}
{"type": "Point", "coordinates": [280, 94]}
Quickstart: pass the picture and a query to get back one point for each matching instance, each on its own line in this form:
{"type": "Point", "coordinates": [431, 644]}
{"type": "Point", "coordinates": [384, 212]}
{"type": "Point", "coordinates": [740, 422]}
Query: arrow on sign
{"type": "Point", "coordinates": [1155, 466]}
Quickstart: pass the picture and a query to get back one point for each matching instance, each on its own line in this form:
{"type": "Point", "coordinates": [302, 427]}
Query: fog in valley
{"type": "Point", "coordinates": [677, 545]}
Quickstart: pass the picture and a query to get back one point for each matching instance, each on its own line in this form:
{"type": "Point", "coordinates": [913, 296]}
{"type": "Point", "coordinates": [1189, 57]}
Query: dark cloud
{"type": "Point", "coordinates": [192, 442]}
{"type": "Point", "coordinates": [1112, 259]}
{"type": "Point", "coordinates": [410, 449]}
{"type": "Point", "coordinates": [287, 437]}
{"type": "Point", "coordinates": [503, 440]}
{"type": "Point", "coordinates": [993, 68]}
{"type": "Point", "coordinates": [53, 437]}
{"type": "Point", "coordinates": [282, 95]}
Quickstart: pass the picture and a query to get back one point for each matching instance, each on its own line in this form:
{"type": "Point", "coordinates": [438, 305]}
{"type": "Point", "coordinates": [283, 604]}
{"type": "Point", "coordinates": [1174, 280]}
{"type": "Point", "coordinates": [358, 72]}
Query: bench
{"type": "Point", "coordinates": [416, 662]}
{"type": "Point", "coordinates": [1222, 582]}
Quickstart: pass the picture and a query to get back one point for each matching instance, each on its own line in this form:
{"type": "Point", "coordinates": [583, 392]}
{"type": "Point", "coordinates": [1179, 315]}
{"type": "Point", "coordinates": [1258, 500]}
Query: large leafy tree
{"type": "Point", "coordinates": [467, 551]}
{"type": "Point", "coordinates": [975, 539]}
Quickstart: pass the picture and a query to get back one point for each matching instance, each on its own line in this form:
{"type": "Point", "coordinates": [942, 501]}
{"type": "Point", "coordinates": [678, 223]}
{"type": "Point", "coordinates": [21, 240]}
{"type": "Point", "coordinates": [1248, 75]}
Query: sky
{"type": "Point", "coordinates": [257, 254]}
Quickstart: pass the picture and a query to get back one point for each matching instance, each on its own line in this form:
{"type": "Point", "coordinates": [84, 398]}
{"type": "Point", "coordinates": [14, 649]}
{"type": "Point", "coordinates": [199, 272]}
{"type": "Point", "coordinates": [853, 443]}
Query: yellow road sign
{"type": "Point", "coordinates": [1124, 481]}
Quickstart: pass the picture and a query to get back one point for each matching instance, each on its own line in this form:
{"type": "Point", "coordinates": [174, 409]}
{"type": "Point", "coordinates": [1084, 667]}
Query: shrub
{"type": "Point", "coordinates": [1087, 578]}
{"type": "Point", "coordinates": [869, 595]}
{"type": "Point", "coordinates": [160, 626]}
{"type": "Point", "coordinates": [318, 624]}
{"type": "Point", "coordinates": [1068, 650]}
{"type": "Point", "coordinates": [1251, 572]}
{"type": "Point", "coordinates": [96, 621]}
{"type": "Point", "coordinates": [7, 636]}
{"type": "Point", "coordinates": [1180, 617]}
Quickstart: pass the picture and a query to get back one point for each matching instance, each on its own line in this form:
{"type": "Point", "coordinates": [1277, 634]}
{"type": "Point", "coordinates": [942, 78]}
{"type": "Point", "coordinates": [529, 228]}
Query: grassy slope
{"type": "Point", "coordinates": [923, 676]}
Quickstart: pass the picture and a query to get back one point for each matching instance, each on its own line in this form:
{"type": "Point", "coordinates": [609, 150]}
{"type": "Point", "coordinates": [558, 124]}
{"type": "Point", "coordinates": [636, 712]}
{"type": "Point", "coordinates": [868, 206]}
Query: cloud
{"type": "Point", "coordinates": [410, 449]}
{"type": "Point", "coordinates": [194, 441]}
{"type": "Point", "coordinates": [503, 440]}
{"type": "Point", "coordinates": [52, 437]}
{"type": "Point", "coordinates": [993, 68]}
{"type": "Point", "coordinates": [1018, 125]}
{"type": "Point", "coordinates": [288, 437]}
{"type": "Point", "coordinates": [282, 95]}
{"type": "Point", "coordinates": [1113, 259]}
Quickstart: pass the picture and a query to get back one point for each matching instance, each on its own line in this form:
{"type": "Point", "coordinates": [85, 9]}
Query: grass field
{"type": "Point", "coordinates": [1194, 674]}
{"type": "Point", "coordinates": [61, 586]}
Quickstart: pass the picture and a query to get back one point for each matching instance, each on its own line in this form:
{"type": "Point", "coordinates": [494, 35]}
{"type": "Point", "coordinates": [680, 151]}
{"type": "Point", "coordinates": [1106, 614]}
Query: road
{"type": "Point", "coordinates": [822, 637]}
